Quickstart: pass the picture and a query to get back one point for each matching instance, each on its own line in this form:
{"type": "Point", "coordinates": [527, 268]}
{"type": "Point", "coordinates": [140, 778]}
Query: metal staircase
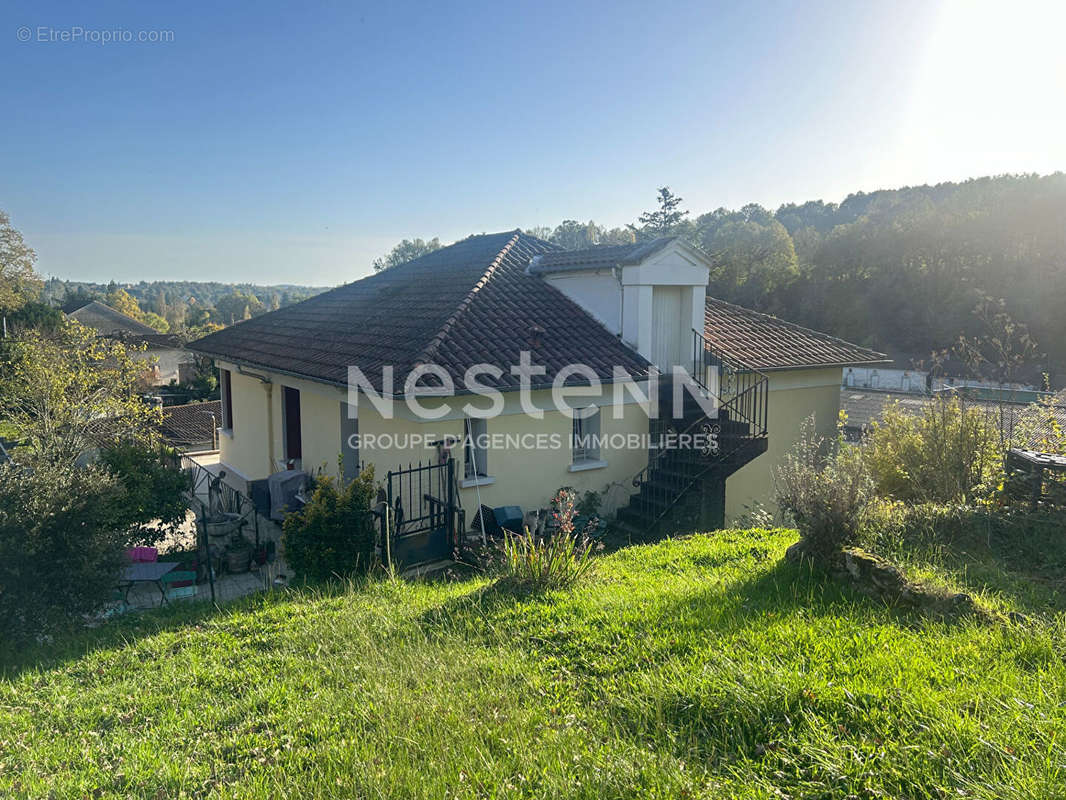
{"type": "Point", "coordinates": [699, 450]}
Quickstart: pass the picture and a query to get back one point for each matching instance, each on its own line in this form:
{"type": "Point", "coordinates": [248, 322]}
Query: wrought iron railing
{"type": "Point", "coordinates": [741, 395]}
{"type": "Point", "coordinates": [215, 501]}
{"type": "Point", "coordinates": [740, 388]}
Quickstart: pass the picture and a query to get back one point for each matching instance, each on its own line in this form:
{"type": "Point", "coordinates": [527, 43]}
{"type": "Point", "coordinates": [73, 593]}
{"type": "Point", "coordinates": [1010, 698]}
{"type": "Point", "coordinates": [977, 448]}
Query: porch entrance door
{"type": "Point", "coordinates": [666, 317]}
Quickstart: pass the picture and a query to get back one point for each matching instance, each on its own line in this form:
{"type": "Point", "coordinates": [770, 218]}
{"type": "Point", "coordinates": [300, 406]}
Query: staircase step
{"type": "Point", "coordinates": [634, 518]}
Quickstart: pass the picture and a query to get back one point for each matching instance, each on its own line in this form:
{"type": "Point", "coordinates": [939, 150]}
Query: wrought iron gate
{"type": "Point", "coordinates": [422, 524]}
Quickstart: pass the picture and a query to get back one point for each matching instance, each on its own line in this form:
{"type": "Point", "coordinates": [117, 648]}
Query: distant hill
{"type": "Point", "coordinates": [203, 292]}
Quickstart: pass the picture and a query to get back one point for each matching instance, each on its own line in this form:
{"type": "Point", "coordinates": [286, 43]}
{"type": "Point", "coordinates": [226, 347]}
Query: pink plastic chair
{"type": "Point", "coordinates": [142, 555]}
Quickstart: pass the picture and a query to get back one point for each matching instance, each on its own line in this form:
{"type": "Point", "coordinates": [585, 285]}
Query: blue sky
{"type": "Point", "coordinates": [292, 142]}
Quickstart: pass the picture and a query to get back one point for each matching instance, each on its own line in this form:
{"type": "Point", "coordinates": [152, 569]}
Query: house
{"type": "Point", "coordinates": [601, 369]}
{"type": "Point", "coordinates": [171, 361]}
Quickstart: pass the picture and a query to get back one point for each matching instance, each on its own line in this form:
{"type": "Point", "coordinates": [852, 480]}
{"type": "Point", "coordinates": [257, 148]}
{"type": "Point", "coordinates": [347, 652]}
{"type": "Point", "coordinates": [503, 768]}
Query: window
{"type": "Point", "coordinates": [586, 438]}
{"type": "Point", "coordinates": [227, 399]}
{"type": "Point", "coordinates": [290, 413]}
{"type": "Point", "coordinates": [475, 447]}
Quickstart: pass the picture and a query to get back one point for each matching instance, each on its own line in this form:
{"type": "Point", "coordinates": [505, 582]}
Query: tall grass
{"type": "Point", "coordinates": [554, 561]}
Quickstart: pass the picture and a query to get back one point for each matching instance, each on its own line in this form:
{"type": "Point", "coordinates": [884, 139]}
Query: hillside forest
{"type": "Point", "coordinates": [910, 272]}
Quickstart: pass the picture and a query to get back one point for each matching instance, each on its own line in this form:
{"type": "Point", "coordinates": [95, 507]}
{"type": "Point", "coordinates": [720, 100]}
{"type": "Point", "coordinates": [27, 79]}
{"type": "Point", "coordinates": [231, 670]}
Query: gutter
{"type": "Point", "coordinates": [267, 385]}
{"type": "Point", "coordinates": [606, 381]}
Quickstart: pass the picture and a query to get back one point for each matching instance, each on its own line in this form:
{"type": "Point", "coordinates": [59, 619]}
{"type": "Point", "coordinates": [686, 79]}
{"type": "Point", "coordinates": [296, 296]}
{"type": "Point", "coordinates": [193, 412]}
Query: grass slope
{"type": "Point", "coordinates": [703, 667]}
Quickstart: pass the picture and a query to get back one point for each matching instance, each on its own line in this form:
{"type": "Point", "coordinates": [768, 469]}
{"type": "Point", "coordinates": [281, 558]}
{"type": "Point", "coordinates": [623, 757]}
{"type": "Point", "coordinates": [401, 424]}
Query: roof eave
{"type": "Point", "coordinates": [830, 365]}
{"type": "Point", "coordinates": [607, 381]}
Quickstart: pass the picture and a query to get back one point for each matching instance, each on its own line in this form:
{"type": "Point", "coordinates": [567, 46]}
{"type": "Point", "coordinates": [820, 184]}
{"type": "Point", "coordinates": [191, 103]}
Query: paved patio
{"type": "Point", "coordinates": [227, 586]}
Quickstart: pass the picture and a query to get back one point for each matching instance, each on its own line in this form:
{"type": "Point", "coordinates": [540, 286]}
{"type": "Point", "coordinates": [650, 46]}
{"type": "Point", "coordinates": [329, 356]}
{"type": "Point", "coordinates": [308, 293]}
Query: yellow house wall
{"type": "Point", "coordinates": [526, 477]}
{"type": "Point", "coordinates": [244, 448]}
{"type": "Point", "coordinates": [256, 445]}
{"type": "Point", "coordinates": [794, 396]}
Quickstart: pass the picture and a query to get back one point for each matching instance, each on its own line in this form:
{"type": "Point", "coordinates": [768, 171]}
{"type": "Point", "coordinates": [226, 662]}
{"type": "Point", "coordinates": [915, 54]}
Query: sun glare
{"type": "Point", "coordinates": [990, 95]}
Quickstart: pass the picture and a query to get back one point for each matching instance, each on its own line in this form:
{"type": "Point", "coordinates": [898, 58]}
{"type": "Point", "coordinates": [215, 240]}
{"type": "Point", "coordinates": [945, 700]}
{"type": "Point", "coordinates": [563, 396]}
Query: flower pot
{"type": "Point", "coordinates": [238, 560]}
{"type": "Point", "coordinates": [223, 525]}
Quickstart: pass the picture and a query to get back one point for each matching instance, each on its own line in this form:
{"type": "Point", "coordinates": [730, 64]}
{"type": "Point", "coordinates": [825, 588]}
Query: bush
{"type": "Point", "coordinates": [154, 491]}
{"type": "Point", "coordinates": [825, 489]}
{"type": "Point", "coordinates": [333, 535]}
{"type": "Point", "coordinates": [61, 545]}
{"type": "Point", "coordinates": [555, 560]}
{"type": "Point", "coordinates": [946, 454]}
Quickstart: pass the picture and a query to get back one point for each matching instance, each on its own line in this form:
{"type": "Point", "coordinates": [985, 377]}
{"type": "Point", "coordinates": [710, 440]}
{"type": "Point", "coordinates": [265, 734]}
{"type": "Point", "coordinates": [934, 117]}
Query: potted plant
{"type": "Point", "coordinates": [238, 555]}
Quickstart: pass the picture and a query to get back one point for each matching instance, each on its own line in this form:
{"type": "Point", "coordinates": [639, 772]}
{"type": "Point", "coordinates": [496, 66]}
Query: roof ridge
{"type": "Point", "coordinates": [780, 321]}
{"type": "Point", "coordinates": [113, 310]}
{"type": "Point", "coordinates": [430, 350]}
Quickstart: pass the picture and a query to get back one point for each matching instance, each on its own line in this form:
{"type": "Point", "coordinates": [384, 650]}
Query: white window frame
{"type": "Point", "coordinates": [475, 458]}
{"type": "Point", "coordinates": [586, 423]}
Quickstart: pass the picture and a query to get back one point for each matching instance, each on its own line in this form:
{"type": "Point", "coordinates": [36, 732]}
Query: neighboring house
{"type": "Point", "coordinates": [172, 362]}
{"type": "Point", "coordinates": [193, 427]}
{"type": "Point", "coordinates": [916, 381]}
{"type": "Point", "coordinates": [617, 310]}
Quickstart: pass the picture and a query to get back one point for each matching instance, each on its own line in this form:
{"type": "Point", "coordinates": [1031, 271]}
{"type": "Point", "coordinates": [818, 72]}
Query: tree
{"type": "Point", "coordinates": [407, 250]}
{"type": "Point", "coordinates": [573, 235]}
{"type": "Point", "coordinates": [55, 521]}
{"type": "Point", "coordinates": [540, 231]}
{"type": "Point", "coordinates": [34, 315]}
{"type": "Point", "coordinates": [120, 300]}
{"type": "Point", "coordinates": [617, 236]}
{"type": "Point", "coordinates": [73, 300]}
{"type": "Point", "coordinates": [197, 317]}
{"type": "Point", "coordinates": [752, 254]}
{"type": "Point", "coordinates": [66, 394]}
{"type": "Point", "coordinates": [18, 280]}
{"type": "Point", "coordinates": [663, 220]}
{"type": "Point", "coordinates": [333, 535]}
{"type": "Point", "coordinates": [1002, 349]}
{"type": "Point", "coordinates": [153, 320]}
{"type": "Point", "coordinates": [237, 306]}
{"type": "Point", "coordinates": [175, 315]}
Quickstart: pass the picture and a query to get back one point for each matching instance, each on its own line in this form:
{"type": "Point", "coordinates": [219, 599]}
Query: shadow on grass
{"type": "Point", "coordinates": [127, 629]}
{"type": "Point", "coordinates": [1020, 557]}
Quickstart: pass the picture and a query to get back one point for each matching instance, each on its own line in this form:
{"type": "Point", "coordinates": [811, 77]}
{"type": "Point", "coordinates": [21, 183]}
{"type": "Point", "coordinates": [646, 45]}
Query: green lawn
{"type": "Point", "coordinates": [703, 667]}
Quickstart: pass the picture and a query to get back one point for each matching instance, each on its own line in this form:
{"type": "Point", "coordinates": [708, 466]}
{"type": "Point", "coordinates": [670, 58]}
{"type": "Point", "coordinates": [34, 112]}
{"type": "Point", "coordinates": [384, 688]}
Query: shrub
{"type": "Point", "coordinates": [946, 454]}
{"type": "Point", "coordinates": [589, 504]}
{"type": "Point", "coordinates": [555, 560]}
{"type": "Point", "coordinates": [153, 498]}
{"type": "Point", "coordinates": [825, 489]}
{"type": "Point", "coordinates": [333, 535]}
{"type": "Point", "coordinates": [61, 545]}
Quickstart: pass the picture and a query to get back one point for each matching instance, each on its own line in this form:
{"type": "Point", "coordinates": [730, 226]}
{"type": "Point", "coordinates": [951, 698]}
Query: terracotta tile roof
{"type": "Point", "coordinates": [465, 304]}
{"type": "Point", "coordinates": [601, 256]}
{"type": "Point", "coordinates": [110, 322]}
{"type": "Point", "coordinates": [190, 424]}
{"type": "Point", "coordinates": [767, 343]}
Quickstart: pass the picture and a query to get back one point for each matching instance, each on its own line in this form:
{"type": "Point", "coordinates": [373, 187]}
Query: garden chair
{"type": "Point", "coordinates": [179, 583]}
